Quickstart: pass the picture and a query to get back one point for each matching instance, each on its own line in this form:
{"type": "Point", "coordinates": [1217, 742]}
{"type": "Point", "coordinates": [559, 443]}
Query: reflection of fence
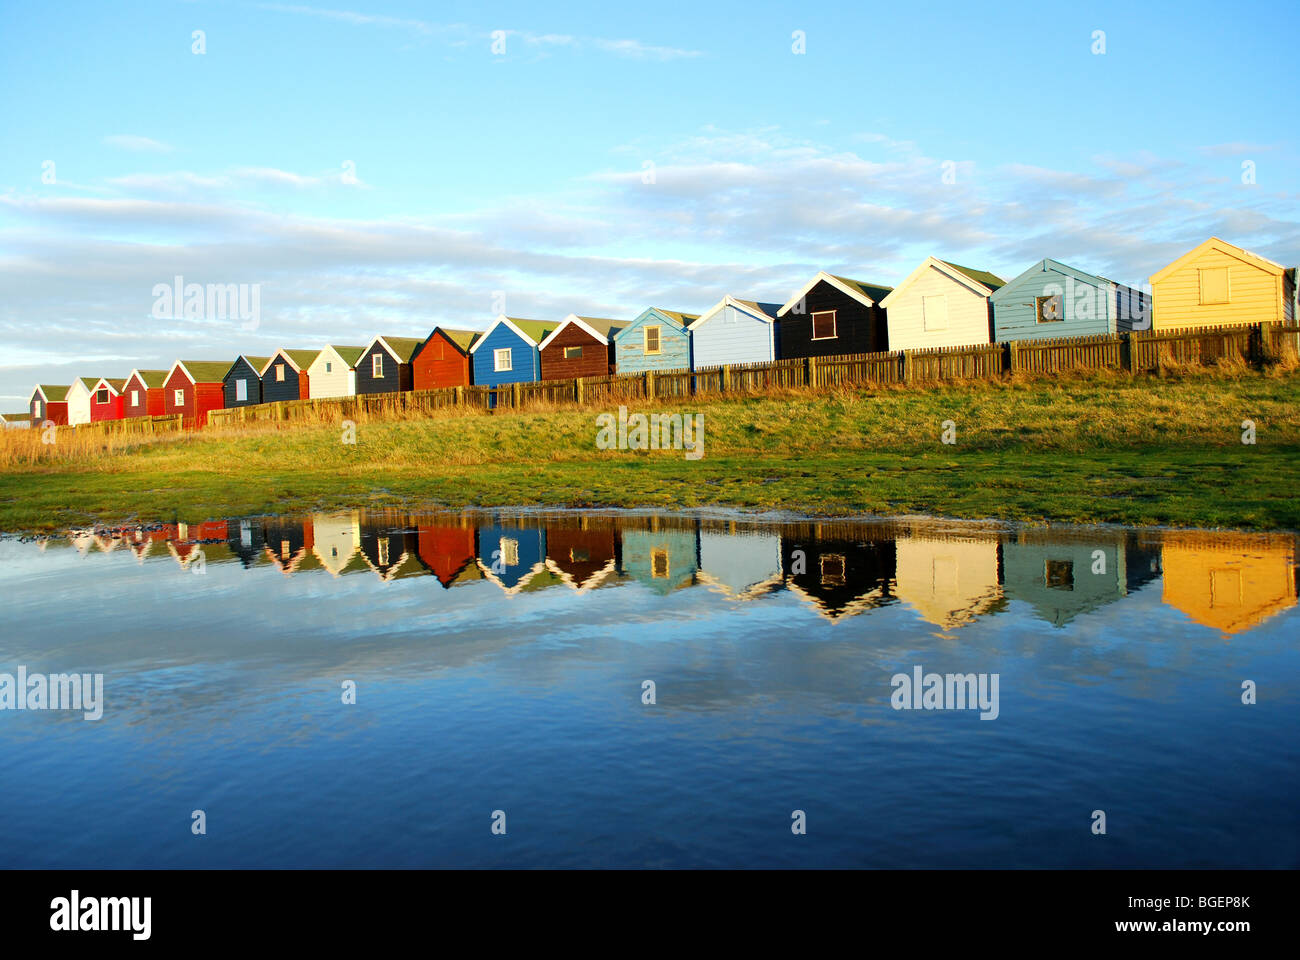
{"type": "Point", "coordinates": [1138, 352]}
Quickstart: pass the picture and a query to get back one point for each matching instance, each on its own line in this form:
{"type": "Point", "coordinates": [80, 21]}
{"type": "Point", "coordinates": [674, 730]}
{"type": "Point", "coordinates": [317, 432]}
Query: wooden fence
{"type": "Point", "coordinates": [1142, 351]}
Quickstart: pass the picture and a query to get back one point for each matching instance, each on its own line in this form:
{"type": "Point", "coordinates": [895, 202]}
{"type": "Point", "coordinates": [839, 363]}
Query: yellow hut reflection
{"type": "Point", "coordinates": [1229, 582]}
{"type": "Point", "coordinates": [949, 581]}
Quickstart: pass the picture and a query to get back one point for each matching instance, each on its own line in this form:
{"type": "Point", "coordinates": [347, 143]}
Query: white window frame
{"type": "Point", "coordinates": [104, 391]}
{"type": "Point", "coordinates": [135, 398]}
{"type": "Point", "coordinates": [241, 391]}
{"type": "Point", "coordinates": [178, 397]}
{"type": "Point", "coordinates": [377, 365]}
{"type": "Point", "coordinates": [279, 373]}
{"type": "Point", "coordinates": [835, 329]}
{"type": "Point", "coordinates": [497, 365]}
{"type": "Point", "coordinates": [578, 347]}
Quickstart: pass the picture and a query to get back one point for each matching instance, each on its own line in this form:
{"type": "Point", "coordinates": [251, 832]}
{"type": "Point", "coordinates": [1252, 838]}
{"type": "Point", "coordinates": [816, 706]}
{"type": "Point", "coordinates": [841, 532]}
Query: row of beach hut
{"type": "Point", "coordinates": [940, 304]}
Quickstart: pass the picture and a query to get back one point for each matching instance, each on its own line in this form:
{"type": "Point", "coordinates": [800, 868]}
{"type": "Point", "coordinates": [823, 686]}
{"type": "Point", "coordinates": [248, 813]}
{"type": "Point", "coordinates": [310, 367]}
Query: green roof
{"type": "Point", "coordinates": [117, 385]}
{"type": "Point", "coordinates": [54, 394]}
{"type": "Point", "coordinates": [683, 318]}
{"type": "Point", "coordinates": [303, 358]}
{"type": "Point", "coordinates": [535, 330]}
{"type": "Point", "coordinates": [462, 338]}
{"type": "Point", "coordinates": [350, 355]}
{"type": "Point", "coordinates": [257, 363]}
{"type": "Point", "coordinates": [603, 325]}
{"type": "Point", "coordinates": [770, 309]}
{"type": "Point", "coordinates": [89, 382]}
{"type": "Point", "coordinates": [992, 281]}
{"type": "Point", "coordinates": [15, 417]}
{"type": "Point", "coordinates": [153, 378]}
{"type": "Point", "coordinates": [404, 347]}
{"type": "Point", "coordinates": [875, 291]}
{"type": "Point", "coordinates": [208, 371]}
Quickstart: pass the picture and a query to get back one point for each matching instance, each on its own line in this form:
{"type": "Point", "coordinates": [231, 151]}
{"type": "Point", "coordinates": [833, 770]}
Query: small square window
{"type": "Point", "coordinates": [653, 343]}
{"type": "Point", "coordinates": [501, 359]}
{"type": "Point", "coordinates": [823, 325]}
{"type": "Point", "coordinates": [1214, 285]}
{"type": "Point", "coordinates": [377, 366]}
{"type": "Point", "coordinates": [279, 372]}
{"type": "Point", "coordinates": [573, 353]}
{"type": "Point", "coordinates": [101, 395]}
{"type": "Point", "coordinates": [1049, 309]}
{"type": "Point", "coordinates": [833, 569]}
{"type": "Point", "coordinates": [1059, 574]}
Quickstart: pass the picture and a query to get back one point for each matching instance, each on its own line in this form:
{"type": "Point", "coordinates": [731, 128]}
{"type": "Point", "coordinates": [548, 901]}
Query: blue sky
{"type": "Point", "coordinates": [380, 168]}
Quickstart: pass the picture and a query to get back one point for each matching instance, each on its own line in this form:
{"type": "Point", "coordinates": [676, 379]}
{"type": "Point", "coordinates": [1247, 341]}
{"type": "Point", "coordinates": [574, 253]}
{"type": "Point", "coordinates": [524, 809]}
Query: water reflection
{"type": "Point", "coordinates": [948, 577]}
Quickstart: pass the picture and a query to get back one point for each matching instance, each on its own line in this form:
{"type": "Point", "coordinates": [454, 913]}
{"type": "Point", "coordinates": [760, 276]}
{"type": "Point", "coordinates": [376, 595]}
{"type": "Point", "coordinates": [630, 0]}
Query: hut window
{"type": "Point", "coordinates": [934, 312]}
{"type": "Point", "coordinates": [178, 397]}
{"type": "Point", "coordinates": [652, 341]}
{"type": "Point", "coordinates": [1059, 574]}
{"type": "Point", "coordinates": [509, 552]}
{"type": "Point", "coordinates": [279, 372]}
{"type": "Point", "coordinates": [501, 359]}
{"type": "Point", "coordinates": [329, 367]}
{"type": "Point", "coordinates": [824, 325]}
{"type": "Point", "coordinates": [377, 365]}
{"type": "Point", "coordinates": [135, 398]}
{"type": "Point", "coordinates": [659, 563]}
{"type": "Point", "coordinates": [101, 396]}
{"type": "Point", "coordinates": [1048, 309]}
{"type": "Point", "coordinates": [241, 390]}
{"type": "Point", "coordinates": [1225, 588]}
{"type": "Point", "coordinates": [579, 555]}
{"type": "Point", "coordinates": [573, 353]}
{"type": "Point", "coordinates": [1214, 284]}
{"type": "Point", "coordinates": [383, 552]}
{"type": "Point", "coordinates": [284, 549]}
{"type": "Point", "coordinates": [833, 569]}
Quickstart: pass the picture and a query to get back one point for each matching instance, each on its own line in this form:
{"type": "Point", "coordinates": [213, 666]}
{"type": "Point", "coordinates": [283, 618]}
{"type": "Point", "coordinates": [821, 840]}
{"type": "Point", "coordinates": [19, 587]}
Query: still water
{"type": "Point", "coordinates": [500, 665]}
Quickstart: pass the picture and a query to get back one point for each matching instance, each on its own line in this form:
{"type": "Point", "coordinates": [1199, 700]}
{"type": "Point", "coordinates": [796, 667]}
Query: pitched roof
{"type": "Point", "coordinates": [402, 349]}
{"type": "Point", "coordinates": [534, 330]}
{"type": "Point", "coordinates": [53, 394]}
{"type": "Point", "coordinates": [206, 371]}
{"type": "Point", "coordinates": [114, 384]}
{"type": "Point", "coordinates": [761, 311]}
{"type": "Point", "coordinates": [598, 328]}
{"type": "Point", "coordinates": [990, 280]}
{"type": "Point", "coordinates": [302, 359]}
{"type": "Point", "coordinates": [462, 338]}
{"type": "Point", "coordinates": [15, 417]}
{"type": "Point", "coordinates": [685, 319]}
{"type": "Point", "coordinates": [348, 354]}
{"type": "Point", "coordinates": [151, 378]}
{"type": "Point", "coordinates": [868, 294]}
{"type": "Point", "coordinates": [1223, 246]}
{"type": "Point", "coordinates": [257, 363]}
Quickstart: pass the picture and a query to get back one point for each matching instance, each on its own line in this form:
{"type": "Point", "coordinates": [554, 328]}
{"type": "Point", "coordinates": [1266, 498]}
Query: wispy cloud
{"type": "Point", "coordinates": [137, 144]}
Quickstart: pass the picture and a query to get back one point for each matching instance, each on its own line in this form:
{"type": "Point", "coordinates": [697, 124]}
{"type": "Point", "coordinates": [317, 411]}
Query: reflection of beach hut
{"type": "Point", "coordinates": [336, 538]}
{"type": "Point", "coordinates": [741, 564]}
{"type": "Point", "coordinates": [288, 543]}
{"type": "Point", "coordinates": [446, 549]}
{"type": "Point", "coordinates": [246, 541]}
{"type": "Point", "coordinates": [1063, 579]}
{"type": "Point", "coordinates": [1229, 582]}
{"type": "Point", "coordinates": [511, 556]}
{"type": "Point", "coordinates": [663, 560]}
{"type": "Point", "coordinates": [582, 555]}
{"type": "Point", "coordinates": [949, 581]}
{"type": "Point", "coordinates": [839, 577]}
{"type": "Point", "coordinates": [390, 553]}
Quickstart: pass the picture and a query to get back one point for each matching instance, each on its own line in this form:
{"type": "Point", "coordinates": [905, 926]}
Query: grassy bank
{"type": "Point", "coordinates": [1089, 449]}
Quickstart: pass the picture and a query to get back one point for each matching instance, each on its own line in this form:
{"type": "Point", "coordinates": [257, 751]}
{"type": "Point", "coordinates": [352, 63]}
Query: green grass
{"type": "Point", "coordinates": [1096, 449]}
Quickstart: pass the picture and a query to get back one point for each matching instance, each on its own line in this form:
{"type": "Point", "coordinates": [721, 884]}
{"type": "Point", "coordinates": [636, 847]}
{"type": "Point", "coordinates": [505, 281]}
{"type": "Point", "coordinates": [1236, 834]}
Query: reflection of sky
{"type": "Point", "coordinates": [222, 689]}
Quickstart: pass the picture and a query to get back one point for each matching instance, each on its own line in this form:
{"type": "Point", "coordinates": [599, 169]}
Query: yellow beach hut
{"type": "Point", "coordinates": [1219, 284]}
{"type": "Point", "coordinates": [1229, 582]}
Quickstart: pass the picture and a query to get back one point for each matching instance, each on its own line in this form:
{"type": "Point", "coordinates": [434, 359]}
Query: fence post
{"type": "Point", "coordinates": [1013, 358]}
{"type": "Point", "coordinates": [1131, 342]}
{"type": "Point", "coordinates": [460, 396]}
{"type": "Point", "coordinates": [649, 384]}
{"type": "Point", "coordinates": [577, 390]}
{"type": "Point", "coordinates": [909, 370]}
{"type": "Point", "coordinates": [516, 394]}
{"type": "Point", "coordinates": [724, 379]}
{"type": "Point", "coordinates": [810, 372]}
